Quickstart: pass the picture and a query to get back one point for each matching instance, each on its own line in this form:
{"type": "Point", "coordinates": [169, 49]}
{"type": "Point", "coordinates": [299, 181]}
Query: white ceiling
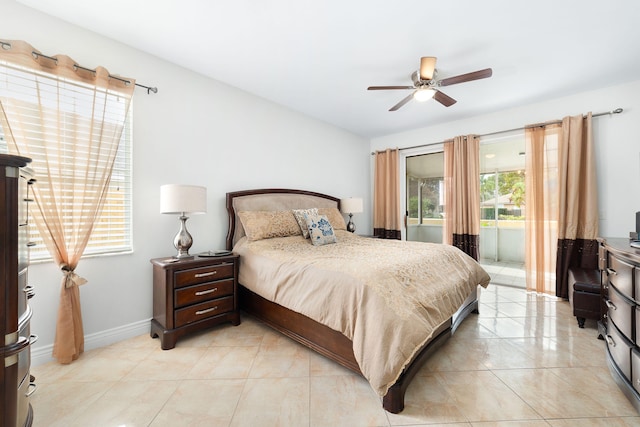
{"type": "Point", "coordinates": [318, 57]}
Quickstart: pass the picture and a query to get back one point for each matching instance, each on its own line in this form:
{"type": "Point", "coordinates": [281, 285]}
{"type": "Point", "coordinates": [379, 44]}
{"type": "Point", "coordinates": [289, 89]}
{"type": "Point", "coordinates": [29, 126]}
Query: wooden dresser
{"type": "Point", "coordinates": [193, 294]}
{"type": "Point", "coordinates": [621, 325]}
{"type": "Point", "coordinates": [16, 382]}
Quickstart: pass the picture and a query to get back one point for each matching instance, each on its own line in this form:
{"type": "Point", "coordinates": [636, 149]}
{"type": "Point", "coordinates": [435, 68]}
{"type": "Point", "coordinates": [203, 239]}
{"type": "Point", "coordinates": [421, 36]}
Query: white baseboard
{"type": "Point", "coordinates": [41, 355]}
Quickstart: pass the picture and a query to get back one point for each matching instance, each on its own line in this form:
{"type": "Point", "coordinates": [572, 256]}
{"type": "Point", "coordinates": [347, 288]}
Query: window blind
{"type": "Point", "coordinates": [112, 233]}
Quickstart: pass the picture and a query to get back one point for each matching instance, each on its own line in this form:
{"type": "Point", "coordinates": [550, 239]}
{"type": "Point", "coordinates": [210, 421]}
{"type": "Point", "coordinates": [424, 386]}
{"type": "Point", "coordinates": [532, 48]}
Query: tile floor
{"type": "Point", "coordinates": [521, 362]}
{"type": "Point", "coordinates": [505, 273]}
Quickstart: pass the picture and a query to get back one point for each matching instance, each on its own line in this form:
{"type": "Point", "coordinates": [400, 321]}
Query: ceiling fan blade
{"type": "Point", "coordinates": [401, 103]}
{"type": "Point", "coordinates": [389, 87]}
{"type": "Point", "coordinates": [427, 65]}
{"type": "Point", "coordinates": [475, 75]}
{"type": "Point", "coordinates": [444, 99]}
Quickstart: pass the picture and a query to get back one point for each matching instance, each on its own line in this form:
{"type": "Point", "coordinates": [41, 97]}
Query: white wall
{"type": "Point", "coordinates": [193, 131]}
{"type": "Point", "coordinates": [616, 139]}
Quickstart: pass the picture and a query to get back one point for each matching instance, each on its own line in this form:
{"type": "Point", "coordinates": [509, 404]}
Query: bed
{"type": "Point", "coordinates": [361, 302]}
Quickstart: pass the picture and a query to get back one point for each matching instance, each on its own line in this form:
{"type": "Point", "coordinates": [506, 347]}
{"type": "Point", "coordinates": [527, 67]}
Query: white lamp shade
{"type": "Point", "coordinates": [178, 199]}
{"type": "Point", "coordinates": [351, 205]}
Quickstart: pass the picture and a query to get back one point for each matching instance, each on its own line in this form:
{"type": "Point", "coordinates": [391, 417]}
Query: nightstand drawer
{"type": "Point", "coordinates": [204, 274]}
{"type": "Point", "coordinates": [202, 311]}
{"type": "Point", "coordinates": [204, 292]}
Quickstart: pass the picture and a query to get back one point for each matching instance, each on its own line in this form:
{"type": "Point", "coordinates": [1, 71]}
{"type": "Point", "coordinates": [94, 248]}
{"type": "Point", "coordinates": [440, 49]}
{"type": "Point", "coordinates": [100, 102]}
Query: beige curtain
{"type": "Point", "coordinates": [561, 203]}
{"type": "Point", "coordinates": [69, 121]}
{"type": "Point", "coordinates": [462, 194]}
{"type": "Point", "coordinates": [387, 222]}
{"type": "Point", "coordinates": [541, 206]}
{"type": "Point", "coordinates": [578, 201]}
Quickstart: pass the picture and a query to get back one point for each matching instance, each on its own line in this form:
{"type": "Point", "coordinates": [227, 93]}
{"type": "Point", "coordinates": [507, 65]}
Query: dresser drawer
{"type": "Point", "coordinates": [203, 310]}
{"type": "Point", "coordinates": [24, 357]}
{"type": "Point", "coordinates": [635, 369]}
{"type": "Point", "coordinates": [620, 275]}
{"type": "Point", "coordinates": [621, 312]}
{"type": "Point", "coordinates": [203, 292]}
{"type": "Point", "coordinates": [23, 399]}
{"type": "Point", "coordinates": [204, 274]}
{"type": "Point", "coordinates": [602, 257]}
{"type": "Point", "coordinates": [620, 350]}
{"type": "Point", "coordinates": [636, 272]}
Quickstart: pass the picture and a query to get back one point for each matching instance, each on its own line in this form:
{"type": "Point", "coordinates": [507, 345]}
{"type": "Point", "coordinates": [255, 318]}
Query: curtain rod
{"type": "Point", "coordinates": [616, 111]}
{"type": "Point", "coordinates": [35, 54]}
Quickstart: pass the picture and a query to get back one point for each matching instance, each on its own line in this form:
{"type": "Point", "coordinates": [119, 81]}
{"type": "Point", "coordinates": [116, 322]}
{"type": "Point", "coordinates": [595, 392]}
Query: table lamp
{"type": "Point", "coordinates": [350, 206]}
{"type": "Point", "coordinates": [183, 199]}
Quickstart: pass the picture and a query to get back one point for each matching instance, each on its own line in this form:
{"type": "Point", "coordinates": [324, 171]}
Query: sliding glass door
{"type": "Point", "coordinates": [502, 195]}
{"type": "Point", "coordinates": [502, 208]}
{"type": "Point", "coordinates": [425, 204]}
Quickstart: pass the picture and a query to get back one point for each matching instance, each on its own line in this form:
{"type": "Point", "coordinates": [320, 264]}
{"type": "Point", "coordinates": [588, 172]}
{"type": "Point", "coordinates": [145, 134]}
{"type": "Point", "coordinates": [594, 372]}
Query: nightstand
{"type": "Point", "coordinates": [193, 294]}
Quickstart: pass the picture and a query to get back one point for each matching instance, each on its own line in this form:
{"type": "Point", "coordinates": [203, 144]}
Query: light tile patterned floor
{"type": "Point", "coordinates": [522, 362]}
{"type": "Point", "coordinates": [505, 273]}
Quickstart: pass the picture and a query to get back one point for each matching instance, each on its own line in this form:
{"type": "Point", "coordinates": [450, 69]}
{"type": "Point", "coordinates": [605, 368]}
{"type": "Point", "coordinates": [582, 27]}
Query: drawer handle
{"type": "Point", "coordinates": [611, 305]}
{"type": "Point", "coordinates": [208, 310]}
{"type": "Point", "coordinates": [31, 389]}
{"type": "Point", "coordinates": [210, 273]}
{"type": "Point", "coordinates": [611, 271]}
{"type": "Point", "coordinates": [610, 341]}
{"type": "Point", "coordinates": [28, 290]}
{"type": "Point", "coordinates": [208, 291]}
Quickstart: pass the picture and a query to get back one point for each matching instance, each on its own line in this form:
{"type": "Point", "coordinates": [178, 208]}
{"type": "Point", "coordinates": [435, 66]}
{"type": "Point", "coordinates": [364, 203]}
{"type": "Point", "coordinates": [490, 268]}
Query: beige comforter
{"type": "Point", "coordinates": [387, 296]}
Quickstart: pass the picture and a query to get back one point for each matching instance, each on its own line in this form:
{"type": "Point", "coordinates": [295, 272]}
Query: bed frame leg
{"type": "Point", "coordinates": [393, 401]}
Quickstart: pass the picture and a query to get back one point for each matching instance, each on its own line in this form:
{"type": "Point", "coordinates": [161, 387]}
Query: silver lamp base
{"type": "Point", "coordinates": [351, 226]}
{"type": "Point", "coordinates": [183, 239]}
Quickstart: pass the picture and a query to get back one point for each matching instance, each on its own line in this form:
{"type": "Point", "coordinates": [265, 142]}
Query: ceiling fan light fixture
{"type": "Point", "coordinates": [422, 95]}
{"type": "Point", "coordinates": [426, 84]}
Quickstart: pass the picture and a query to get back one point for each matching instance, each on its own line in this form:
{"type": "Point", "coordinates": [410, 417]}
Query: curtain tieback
{"type": "Point", "coordinates": [71, 278]}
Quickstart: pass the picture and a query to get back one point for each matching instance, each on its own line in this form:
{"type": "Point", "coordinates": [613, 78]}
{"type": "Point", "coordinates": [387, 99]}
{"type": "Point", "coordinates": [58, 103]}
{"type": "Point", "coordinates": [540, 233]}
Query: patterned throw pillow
{"type": "Point", "coordinates": [320, 230]}
{"type": "Point", "coordinates": [267, 224]}
{"type": "Point", "coordinates": [302, 221]}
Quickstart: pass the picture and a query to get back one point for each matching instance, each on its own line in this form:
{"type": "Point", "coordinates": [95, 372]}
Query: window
{"type": "Point", "coordinates": [502, 195]}
{"type": "Point", "coordinates": [425, 197]}
{"type": "Point", "coordinates": [112, 232]}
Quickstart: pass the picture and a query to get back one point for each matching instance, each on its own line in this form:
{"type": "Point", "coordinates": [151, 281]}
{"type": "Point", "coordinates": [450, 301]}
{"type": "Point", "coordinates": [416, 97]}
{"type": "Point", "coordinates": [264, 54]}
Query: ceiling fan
{"type": "Point", "coordinates": [425, 84]}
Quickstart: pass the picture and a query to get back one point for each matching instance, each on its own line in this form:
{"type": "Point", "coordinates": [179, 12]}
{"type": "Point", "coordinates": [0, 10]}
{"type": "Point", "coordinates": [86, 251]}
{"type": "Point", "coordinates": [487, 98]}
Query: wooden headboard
{"type": "Point", "coordinates": [270, 199]}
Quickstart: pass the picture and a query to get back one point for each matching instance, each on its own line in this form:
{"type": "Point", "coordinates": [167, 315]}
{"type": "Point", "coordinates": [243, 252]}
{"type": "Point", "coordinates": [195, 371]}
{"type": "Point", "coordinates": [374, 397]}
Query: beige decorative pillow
{"type": "Point", "coordinates": [302, 222]}
{"type": "Point", "coordinates": [260, 225]}
{"type": "Point", "coordinates": [335, 217]}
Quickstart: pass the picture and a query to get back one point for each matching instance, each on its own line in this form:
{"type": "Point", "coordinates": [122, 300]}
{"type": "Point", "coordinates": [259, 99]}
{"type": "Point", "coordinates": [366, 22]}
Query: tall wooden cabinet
{"type": "Point", "coordinates": [16, 382]}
